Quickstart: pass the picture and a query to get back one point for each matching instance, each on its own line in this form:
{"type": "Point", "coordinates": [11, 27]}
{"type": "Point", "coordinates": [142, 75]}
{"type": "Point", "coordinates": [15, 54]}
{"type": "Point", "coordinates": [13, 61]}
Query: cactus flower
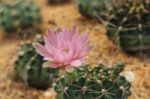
{"type": "Point", "coordinates": [65, 49]}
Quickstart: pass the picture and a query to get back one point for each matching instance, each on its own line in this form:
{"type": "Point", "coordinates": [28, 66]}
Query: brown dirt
{"type": "Point", "coordinates": [67, 16]}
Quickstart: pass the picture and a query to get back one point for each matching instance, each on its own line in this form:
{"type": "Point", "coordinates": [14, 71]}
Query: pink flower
{"type": "Point", "coordinates": [65, 49]}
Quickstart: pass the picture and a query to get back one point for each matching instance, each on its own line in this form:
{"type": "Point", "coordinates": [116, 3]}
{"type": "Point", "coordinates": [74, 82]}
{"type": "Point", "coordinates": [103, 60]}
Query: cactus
{"type": "Point", "coordinates": [94, 8]}
{"type": "Point", "coordinates": [29, 68]}
{"type": "Point", "coordinates": [98, 83]}
{"type": "Point", "coordinates": [19, 14]}
{"type": "Point", "coordinates": [129, 26]}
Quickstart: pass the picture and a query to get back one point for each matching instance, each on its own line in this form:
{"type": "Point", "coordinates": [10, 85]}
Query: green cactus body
{"type": "Point", "coordinates": [29, 68]}
{"type": "Point", "coordinates": [94, 8]}
{"type": "Point", "coordinates": [21, 14]}
{"type": "Point", "coordinates": [129, 26]}
{"type": "Point", "coordinates": [97, 83]}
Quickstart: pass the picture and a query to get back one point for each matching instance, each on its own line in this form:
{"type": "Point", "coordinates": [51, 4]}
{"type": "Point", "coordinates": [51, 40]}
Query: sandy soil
{"type": "Point", "coordinates": [105, 52]}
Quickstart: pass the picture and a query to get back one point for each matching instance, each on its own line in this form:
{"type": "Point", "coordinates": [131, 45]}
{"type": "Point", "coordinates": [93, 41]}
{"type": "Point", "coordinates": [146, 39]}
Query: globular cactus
{"type": "Point", "coordinates": [94, 8]}
{"type": "Point", "coordinates": [29, 68]}
{"type": "Point", "coordinates": [98, 83]}
{"type": "Point", "coordinates": [129, 26]}
{"type": "Point", "coordinates": [19, 14]}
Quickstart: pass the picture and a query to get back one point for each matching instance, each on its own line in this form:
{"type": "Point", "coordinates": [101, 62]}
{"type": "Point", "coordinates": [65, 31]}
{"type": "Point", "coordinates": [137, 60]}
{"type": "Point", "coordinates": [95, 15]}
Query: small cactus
{"type": "Point", "coordinates": [29, 68]}
{"type": "Point", "coordinates": [19, 14]}
{"type": "Point", "coordinates": [98, 83]}
{"type": "Point", "coordinates": [94, 8]}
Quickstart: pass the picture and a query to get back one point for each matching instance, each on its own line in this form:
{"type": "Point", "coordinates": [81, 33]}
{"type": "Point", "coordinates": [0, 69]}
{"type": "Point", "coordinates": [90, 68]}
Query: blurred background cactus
{"type": "Point", "coordinates": [94, 8]}
{"type": "Point", "coordinates": [128, 26]}
{"type": "Point", "coordinates": [98, 83]}
{"type": "Point", "coordinates": [29, 68]}
{"type": "Point", "coordinates": [18, 14]}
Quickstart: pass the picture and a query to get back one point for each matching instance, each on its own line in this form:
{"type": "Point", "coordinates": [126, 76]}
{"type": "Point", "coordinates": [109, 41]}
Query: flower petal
{"type": "Point", "coordinates": [76, 63]}
{"type": "Point", "coordinates": [51, 36]}
{"type": "Point", "coordinates": [48, 58]}
{"type": "Point", "coordinates": [41, 49]}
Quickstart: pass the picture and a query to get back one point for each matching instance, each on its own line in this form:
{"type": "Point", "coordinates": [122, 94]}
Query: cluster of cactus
{"type": "Point", "coordinates": [98, 83]}
{"type": "Point", "coordinates": [57, 1]}
{"type": "Point", "coordinates": [18, 14]}
{"type": "Point", "coordinates": [83, 83]}
{"type": "Point", "coordinates": [129, 26]}
{"type": "Point", "coordinates": [94, 8]}
{"type": "Point", "coordinates": [29, 68]}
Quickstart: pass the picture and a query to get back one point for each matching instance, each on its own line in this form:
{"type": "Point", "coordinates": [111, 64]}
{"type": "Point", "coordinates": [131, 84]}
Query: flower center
{"type": "Point", "coordinates": [66, 50]}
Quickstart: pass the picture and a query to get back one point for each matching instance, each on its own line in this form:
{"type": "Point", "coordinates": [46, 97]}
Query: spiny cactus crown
{"type": "Point", "coordinates": [129, 26]}
{"type": "Point", "coordinates": [29, 68]}
{"type": "Point", "coordinates": [98, 83]}
{"type": "Point", "coordinates": [19, 14]}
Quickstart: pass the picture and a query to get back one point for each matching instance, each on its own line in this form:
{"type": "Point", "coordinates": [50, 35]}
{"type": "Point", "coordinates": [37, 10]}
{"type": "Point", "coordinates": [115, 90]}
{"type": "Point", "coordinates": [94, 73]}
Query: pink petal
{"type": "Point", "coordinates": [58, 57]}
{"type": "Point", "coordinates": [60, 39]}
{"type": "Point", "coordinates": [48, 58]}
{"type": "Point", "coordinates": [47, 40]}
{"type": "Point", "coordinates": [76, 63]}
{"type": "Point", "coordinates": [50, 48]}
{"type": "Point", "coordinates": [76, 42]}
{"type": "Point", "coordinates": [41, 50]}
{"type": "Point", "coordinates": [53, 65]}
{"type": "Point", "coordinates": [77, 47]}
{"type": "Point", "coordinates": [65, 33]}
{"type": "Point", "coordinates": [51, 36]}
